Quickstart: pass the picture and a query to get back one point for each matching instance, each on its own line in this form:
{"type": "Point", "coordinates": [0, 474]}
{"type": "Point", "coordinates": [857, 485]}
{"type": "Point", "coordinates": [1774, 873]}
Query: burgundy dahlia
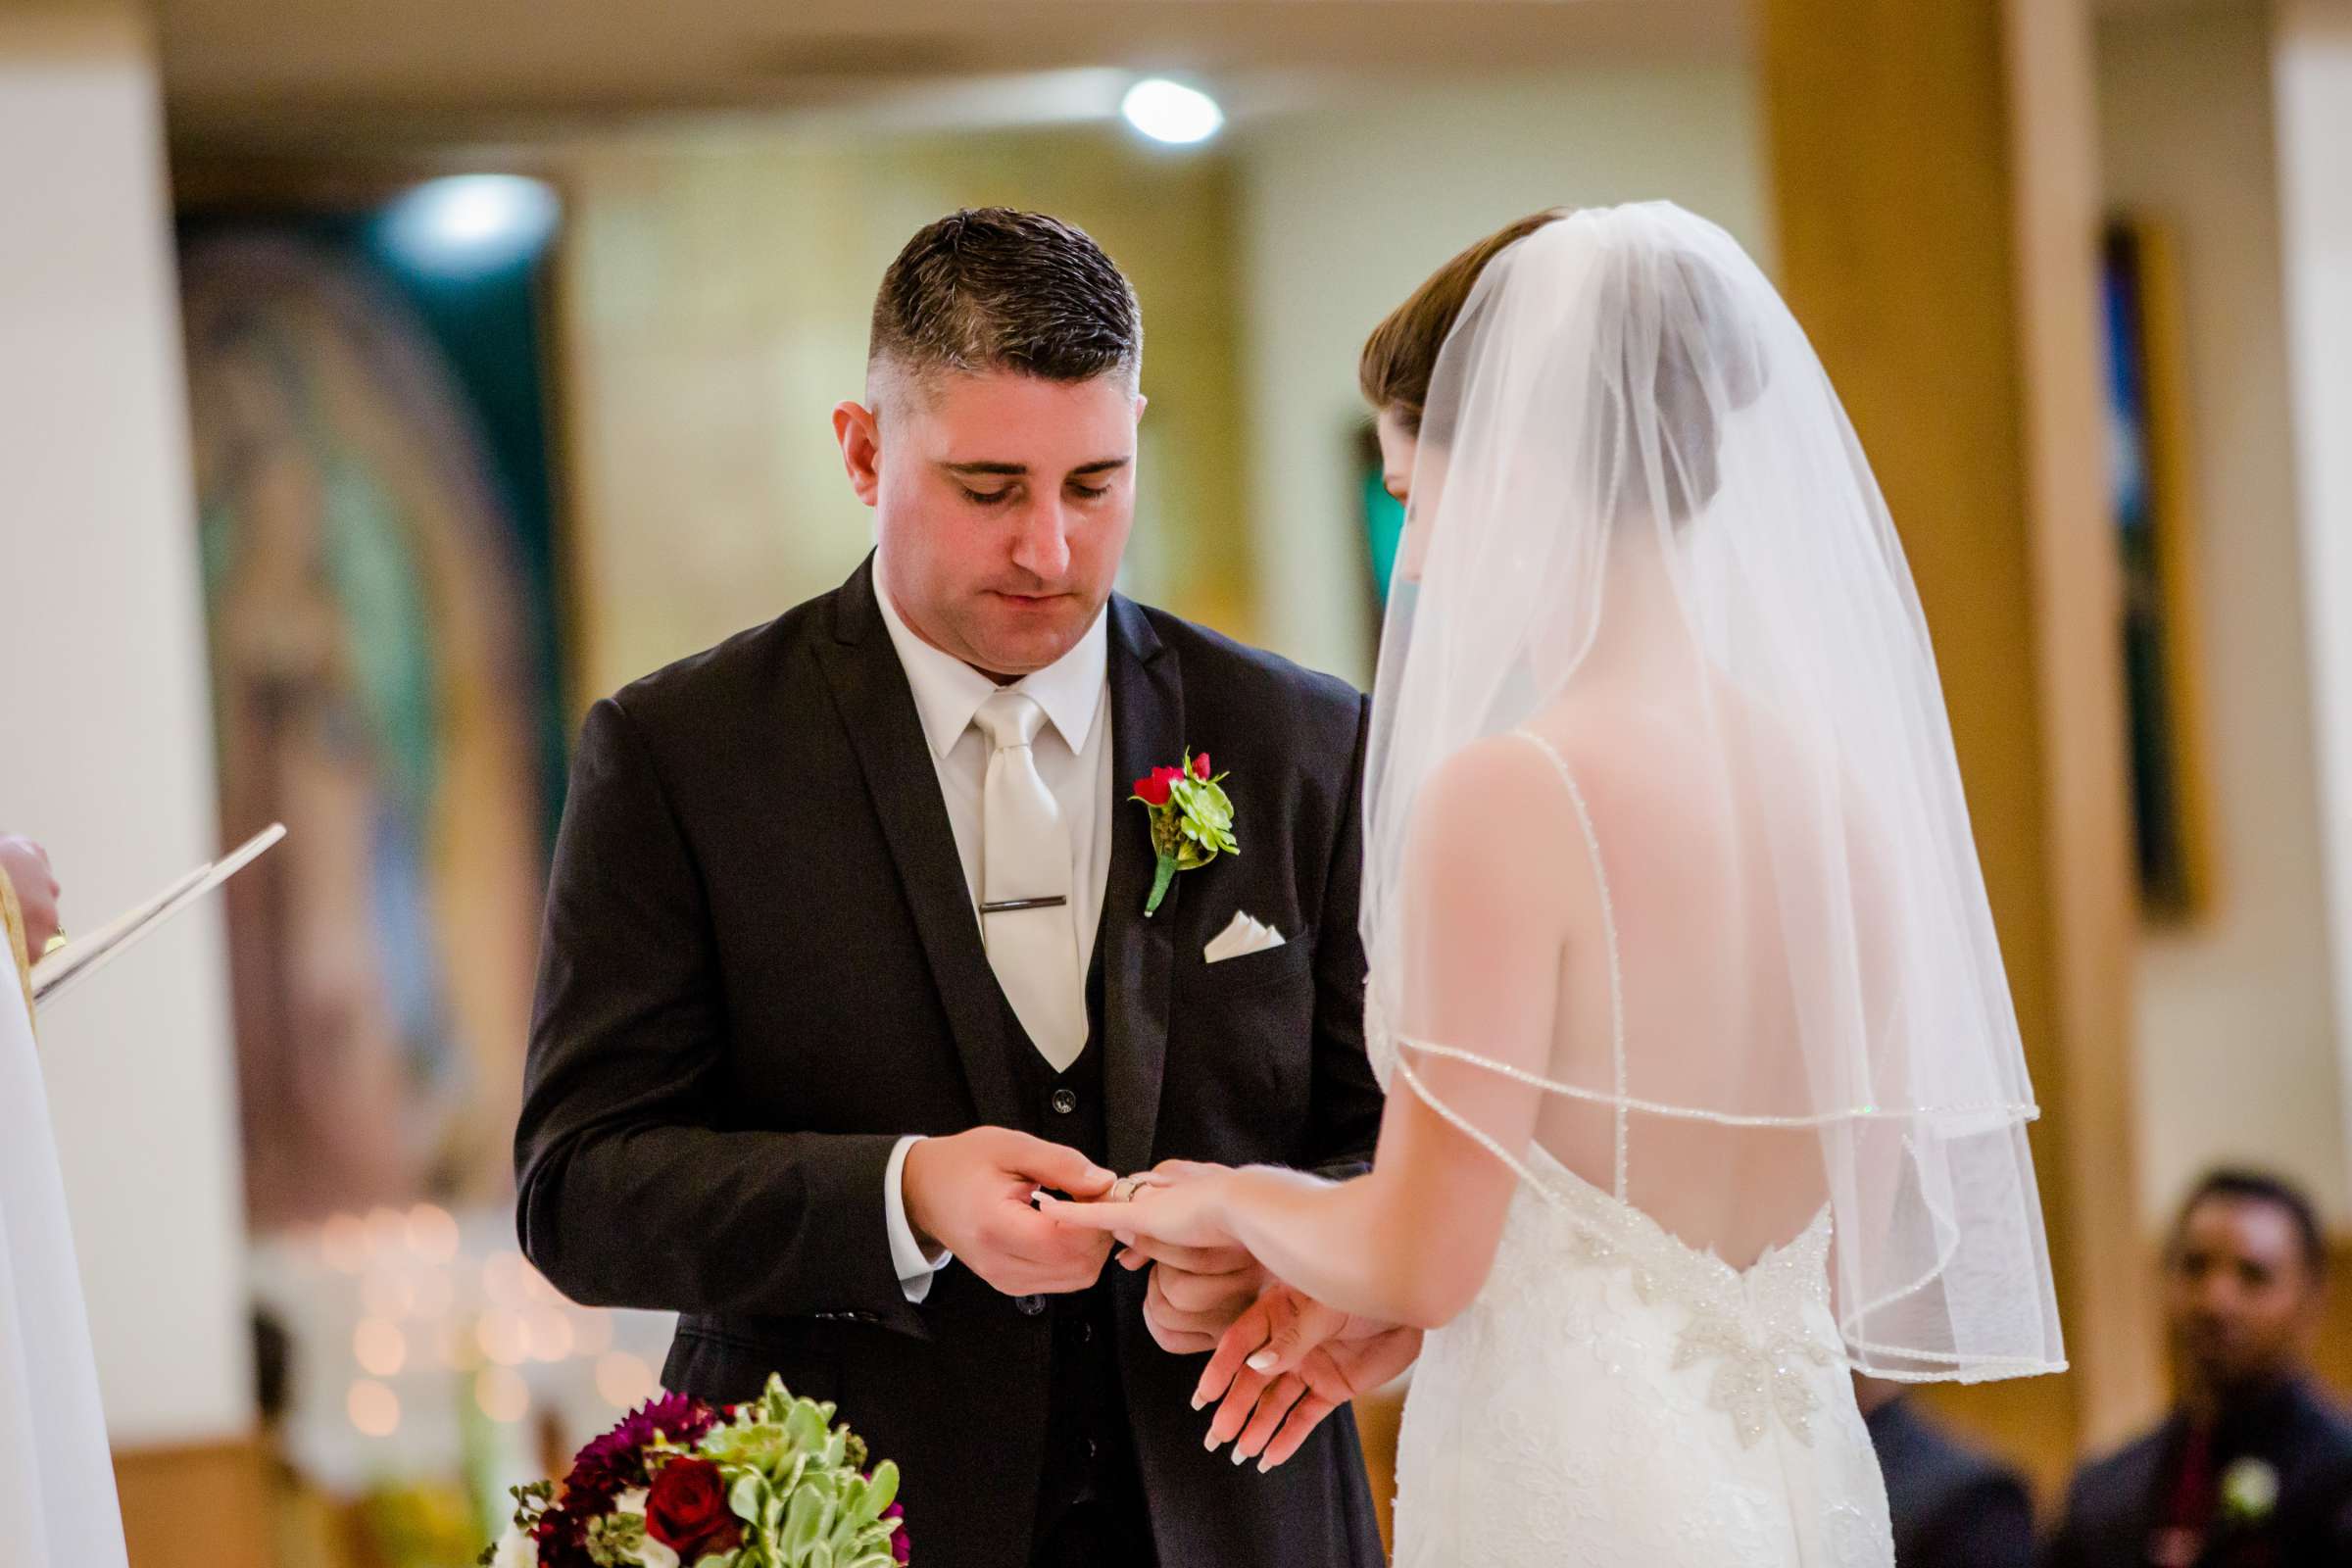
{"type": "Point", "coordinates": [615, 1463]}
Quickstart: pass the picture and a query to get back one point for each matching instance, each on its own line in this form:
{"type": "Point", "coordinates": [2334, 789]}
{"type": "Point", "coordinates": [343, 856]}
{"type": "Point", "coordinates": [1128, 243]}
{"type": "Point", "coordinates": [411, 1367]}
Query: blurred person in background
{"type": "Point", "coordinates": [1952, 1507]}
{"type": "Point", "coordinates": [2254, 1465]}
{"type": "Point", "coordinates": [306, 1526]}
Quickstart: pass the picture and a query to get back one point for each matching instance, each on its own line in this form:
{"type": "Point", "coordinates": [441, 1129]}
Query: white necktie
{"type": "Point", "coordinates": [1025, 915]}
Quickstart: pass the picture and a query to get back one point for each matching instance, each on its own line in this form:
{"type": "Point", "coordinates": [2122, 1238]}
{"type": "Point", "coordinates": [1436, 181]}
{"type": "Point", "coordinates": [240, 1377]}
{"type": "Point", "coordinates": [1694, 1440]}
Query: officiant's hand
{"type": "Point", "coordinates": [970, 1193]}
{"type": "Point", "coordinates": [1287, 1362]}
{"type": "Point", "coordinates": [25, 864]}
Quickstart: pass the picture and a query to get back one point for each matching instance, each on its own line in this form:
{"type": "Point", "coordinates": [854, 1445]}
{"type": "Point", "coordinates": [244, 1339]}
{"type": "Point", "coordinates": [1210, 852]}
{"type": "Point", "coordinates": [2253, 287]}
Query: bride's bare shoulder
{"type": "Point", "coordinates": [1478, 806]}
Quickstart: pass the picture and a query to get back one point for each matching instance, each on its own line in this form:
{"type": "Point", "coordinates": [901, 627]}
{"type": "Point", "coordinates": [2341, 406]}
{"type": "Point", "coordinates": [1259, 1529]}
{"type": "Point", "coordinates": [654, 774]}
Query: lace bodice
{"type": "Point", "coordinates": [1615, 1397]}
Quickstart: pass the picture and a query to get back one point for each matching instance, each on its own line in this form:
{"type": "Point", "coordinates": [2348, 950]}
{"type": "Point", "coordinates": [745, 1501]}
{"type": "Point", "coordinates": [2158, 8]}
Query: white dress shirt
{"type": "Point", "coordinates": [1073, 757]}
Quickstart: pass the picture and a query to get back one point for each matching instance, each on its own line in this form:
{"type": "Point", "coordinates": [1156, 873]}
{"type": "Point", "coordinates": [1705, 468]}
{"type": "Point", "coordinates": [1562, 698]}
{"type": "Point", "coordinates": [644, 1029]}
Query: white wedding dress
{"type": "Point", "coordinates": [1614, 1399]}
{"type": "Point", "coordinates": [1671, 905]}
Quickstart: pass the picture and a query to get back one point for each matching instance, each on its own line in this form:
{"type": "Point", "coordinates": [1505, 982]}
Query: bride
{"type": "Point", "coordinates": [1678, 938]}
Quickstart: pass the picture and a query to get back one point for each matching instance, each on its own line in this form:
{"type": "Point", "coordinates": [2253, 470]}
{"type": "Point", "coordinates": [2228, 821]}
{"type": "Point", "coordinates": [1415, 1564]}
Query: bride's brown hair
{"type": "Point", "coordinates": [1402, 352]}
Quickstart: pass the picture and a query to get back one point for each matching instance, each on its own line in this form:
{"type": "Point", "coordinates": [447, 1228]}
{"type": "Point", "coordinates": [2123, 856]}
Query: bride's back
{"type": "Point", "coordinates": [1686, 914]}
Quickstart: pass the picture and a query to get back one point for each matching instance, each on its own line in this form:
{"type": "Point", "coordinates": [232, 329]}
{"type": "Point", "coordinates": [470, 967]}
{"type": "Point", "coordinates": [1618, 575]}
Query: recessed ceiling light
{"type": "Point", "coordinates": [471, 223]}
{"type": "Point", "coordinates": [1171, 112]}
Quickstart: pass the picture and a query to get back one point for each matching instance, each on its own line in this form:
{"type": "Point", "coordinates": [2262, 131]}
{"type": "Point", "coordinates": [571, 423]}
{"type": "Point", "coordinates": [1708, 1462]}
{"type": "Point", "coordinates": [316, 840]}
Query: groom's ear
{"type": "Point", "coordinates": [860, 433]}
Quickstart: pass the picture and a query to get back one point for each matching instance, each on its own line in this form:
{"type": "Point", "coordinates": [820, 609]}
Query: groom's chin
{"type": "Point", "coordinates": [1018, 638]}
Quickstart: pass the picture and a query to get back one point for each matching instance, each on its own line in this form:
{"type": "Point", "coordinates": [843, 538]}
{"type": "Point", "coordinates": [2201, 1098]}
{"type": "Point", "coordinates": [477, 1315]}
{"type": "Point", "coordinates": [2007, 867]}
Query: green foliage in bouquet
{"type": "Point", "coordinates": [679, 1484]}
{"type": "Point", "coordinates": [798, 1481]}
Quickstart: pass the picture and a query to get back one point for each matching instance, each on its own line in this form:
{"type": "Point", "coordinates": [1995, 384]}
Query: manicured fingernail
{"type": "Point", "coordinates": [1265, 1466]}
{"type": "Point", "coordinates": [1264, 1361]}
{"type": "Point", "coordinates": [1212, 1443]}
{"type": "Point", "coordinates": [1238, 1457]}
{"type": "Point", "coordinates": [1200, 1401]}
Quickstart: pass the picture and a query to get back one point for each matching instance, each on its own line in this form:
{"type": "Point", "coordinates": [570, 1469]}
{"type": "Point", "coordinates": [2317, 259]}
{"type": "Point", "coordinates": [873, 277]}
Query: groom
{"type": "Point", "coordinates": [847, 956]}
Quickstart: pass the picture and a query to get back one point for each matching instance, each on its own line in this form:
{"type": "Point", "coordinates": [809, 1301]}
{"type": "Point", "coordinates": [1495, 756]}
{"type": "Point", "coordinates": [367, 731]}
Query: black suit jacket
{"type": "Point", "coordinates": [2118, 1502]}
{"type": "Point", "coordinates": [1952, 1507]}
{"type": "Point", "coordinates": [760, 967]}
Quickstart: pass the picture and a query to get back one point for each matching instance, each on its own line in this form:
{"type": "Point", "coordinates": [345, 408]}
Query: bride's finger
{"type": "Point", "coordinates": [1297, 1427]}
{"type": "Point", "coordinates": [1245, 1339]}
{"type": "Point", "coordinates": [1089, 1216]}
{"type": "Point", "coordinates": [1272, 1406]}
{"type": "Point", "coordinates": [1192, 1259]}
{"type": "Point", "coordinates": [1234, 1411]}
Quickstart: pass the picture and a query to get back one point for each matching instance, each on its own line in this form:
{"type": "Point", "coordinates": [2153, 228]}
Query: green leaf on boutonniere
{"type": "Point", "coordinates": [1192, 820]}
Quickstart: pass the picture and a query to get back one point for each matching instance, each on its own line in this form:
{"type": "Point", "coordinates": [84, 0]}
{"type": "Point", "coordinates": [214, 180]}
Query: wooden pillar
{"type": "Point", "coordinates": [1935, 184]}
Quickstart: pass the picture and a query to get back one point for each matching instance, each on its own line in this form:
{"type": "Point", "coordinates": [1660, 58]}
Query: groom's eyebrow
{"type": "Point", "coordinates": [1020, 471]}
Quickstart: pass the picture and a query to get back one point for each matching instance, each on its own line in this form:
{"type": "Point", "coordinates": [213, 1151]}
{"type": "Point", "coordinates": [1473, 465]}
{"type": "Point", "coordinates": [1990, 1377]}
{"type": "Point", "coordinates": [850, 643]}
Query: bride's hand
{"type": "Point", "coordinates": [1178, 1203]}
{"type": "Point", "coordinates": [1289, 1362]}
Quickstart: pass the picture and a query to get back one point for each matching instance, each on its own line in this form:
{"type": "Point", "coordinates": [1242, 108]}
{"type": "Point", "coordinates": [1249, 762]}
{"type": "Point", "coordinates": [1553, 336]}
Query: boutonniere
{"type": "Point", "coordinates": [1192, 820]}
{"type": "Point", "coordinates": [2249, 1492]}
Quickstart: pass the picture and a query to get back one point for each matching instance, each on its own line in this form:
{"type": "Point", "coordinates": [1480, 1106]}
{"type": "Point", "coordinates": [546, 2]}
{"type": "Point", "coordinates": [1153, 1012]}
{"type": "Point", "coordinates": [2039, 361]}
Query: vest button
{"type": "Point", "coordinates": [1029, 1305]}
{"type": "Point", "coordinates": [1066, 1100]}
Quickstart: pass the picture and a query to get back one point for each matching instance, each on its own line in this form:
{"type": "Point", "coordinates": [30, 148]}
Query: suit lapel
{"type": "Point", "coordinates": [877, 711]}
{"type": "Point", "coordinates": [1147, 729]}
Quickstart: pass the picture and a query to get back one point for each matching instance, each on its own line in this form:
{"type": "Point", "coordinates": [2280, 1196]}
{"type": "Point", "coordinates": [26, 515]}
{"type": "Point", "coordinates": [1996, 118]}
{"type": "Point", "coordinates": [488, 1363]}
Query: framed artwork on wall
{"type": "Point", "coordinates": [2151, 511]}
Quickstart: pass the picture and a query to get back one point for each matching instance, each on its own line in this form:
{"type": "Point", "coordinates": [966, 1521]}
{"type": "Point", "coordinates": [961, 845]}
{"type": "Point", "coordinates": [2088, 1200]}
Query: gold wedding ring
{"type": "Point", "coordinates": [56, 942]}
{"type": "Point", "coordinates": [1122, 1191]}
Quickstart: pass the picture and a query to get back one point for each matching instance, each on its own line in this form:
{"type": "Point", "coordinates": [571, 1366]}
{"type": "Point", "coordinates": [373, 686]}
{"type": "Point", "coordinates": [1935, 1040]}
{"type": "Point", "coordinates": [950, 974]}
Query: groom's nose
{"type": "Point", "coordinates": [1041, 543]}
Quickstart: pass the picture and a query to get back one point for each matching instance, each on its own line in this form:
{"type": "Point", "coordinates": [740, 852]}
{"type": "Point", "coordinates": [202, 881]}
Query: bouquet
{"type": "Point", "coordinates": [680, 1484]}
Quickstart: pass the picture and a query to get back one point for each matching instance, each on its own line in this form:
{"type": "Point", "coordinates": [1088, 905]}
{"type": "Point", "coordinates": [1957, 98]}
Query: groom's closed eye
{"type": "Point", "coordinates": [997, 498]}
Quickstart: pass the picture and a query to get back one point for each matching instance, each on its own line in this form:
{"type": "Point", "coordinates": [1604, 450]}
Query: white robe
{"type": "Point", "coordinates": [57, 1479]}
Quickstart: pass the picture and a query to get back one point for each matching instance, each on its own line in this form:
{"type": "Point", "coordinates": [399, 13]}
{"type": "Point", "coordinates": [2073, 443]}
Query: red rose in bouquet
{"type": "Point", "coordinates": [686, 1510]}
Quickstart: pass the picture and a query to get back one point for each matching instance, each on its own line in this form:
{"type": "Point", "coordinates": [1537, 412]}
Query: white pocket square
{"type": "Point", "coordinates": [1241, 939]}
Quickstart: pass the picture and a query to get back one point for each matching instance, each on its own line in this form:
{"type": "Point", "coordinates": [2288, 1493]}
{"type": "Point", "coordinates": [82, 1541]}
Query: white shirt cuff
{"type": "Point", "coordinates": [906, 1253]}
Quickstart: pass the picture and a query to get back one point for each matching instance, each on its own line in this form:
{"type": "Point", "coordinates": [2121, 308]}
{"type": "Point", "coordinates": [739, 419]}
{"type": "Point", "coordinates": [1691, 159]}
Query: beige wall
{"type": "Point", "coordinates": [2235, 1009]}
{"type": "Point", "coordinates": [1345, 211]}
{"type": "Point", "coordinates": [105, 720]}
{"type": "Point", "coordinates": [2312, 65]}
{"type": "Point", "coordinates": [716, 299]}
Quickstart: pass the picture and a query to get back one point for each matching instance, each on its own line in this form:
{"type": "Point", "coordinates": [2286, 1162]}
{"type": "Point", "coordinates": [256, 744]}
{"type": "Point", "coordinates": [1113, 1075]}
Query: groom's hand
{"type": "Point", "coordinates": [1196, 1292]}
{"type": "Point", "coordinates": [970, 1193]}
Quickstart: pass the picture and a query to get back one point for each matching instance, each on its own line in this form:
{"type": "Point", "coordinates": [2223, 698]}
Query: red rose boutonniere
{"type": "Point", "coordinates": [1192, 820]}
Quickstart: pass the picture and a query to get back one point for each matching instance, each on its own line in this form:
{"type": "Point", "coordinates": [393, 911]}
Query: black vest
{"type": "Point", "coordinates": [1089, 1464]}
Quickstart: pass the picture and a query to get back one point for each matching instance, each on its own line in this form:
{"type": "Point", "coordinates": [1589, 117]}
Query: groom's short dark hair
{"type": "Point", "coordinates": [993, 289]}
